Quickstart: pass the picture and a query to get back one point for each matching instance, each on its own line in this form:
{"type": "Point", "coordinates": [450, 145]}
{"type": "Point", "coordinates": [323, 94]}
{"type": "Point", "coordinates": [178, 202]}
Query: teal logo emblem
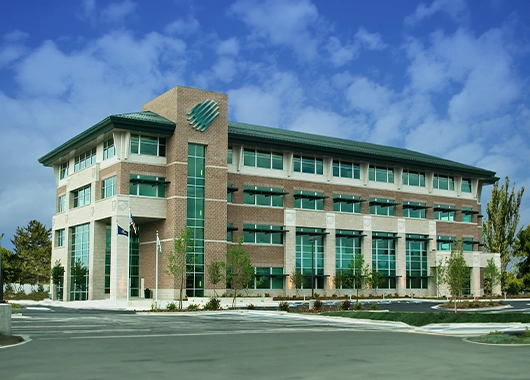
{"type": "Point", "coordinates": [202, 115]}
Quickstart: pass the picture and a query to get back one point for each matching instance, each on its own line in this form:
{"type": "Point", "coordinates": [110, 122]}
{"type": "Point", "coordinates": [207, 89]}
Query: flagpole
{"type": "Point", "coordinates": [116, 266]}
{"type": "Point", "coordinates": [128, 257]}
{"type": "Point", "coordinates": [156, 270]}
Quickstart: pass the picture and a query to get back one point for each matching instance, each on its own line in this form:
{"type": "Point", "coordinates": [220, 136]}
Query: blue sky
{"type": "Point", "coordinates": [445, 77]}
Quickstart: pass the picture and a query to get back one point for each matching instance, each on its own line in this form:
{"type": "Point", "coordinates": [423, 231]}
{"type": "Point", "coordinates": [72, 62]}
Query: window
{"type": "Point", "coordinates": [346, 169]}
{"type": "Point", "coordinates": [108, 187]}
{"type": "Point", "coordinates": [147, 186]}
{"type": "Point", "coordinates": [468, 243]}
{"type": "Point", "coordinates": [229, 155]}
{"type": "Point", "coordinates": [379, 174]}
{"type": "Point", "coordinates": [79, 259]}
{"type": "Point", "coordinates": [263, 196]}
{"type": "Point", "coordinates": [85, 159]}
{"type": "Point", "coordinates": [347, 248]}
{"type": "Point", "coordinates": [413, 179]}
{"type": "Point", "coordinates": [151, 146]}
{"type": "Point", "coordinates": [262, 234]}
{"type": "Point", "coordinates": [443, 212]}
{"type": "Point", "coordinates": [384, 258]}
{"type": "Point", "coordinates": [310, 256]}
{"type": "Point", "coordinates": [81, 196]}
{"type": "Point", "coordinates": [347, 203]}
{"type": "Point", "coordinates": [230, 190]}
{"type": "Point", "coordinates": [443, 182]}
{"type": "Point", "coordinates": [267, 278]}
{"type": "Point", "coordinates": [414, 210]}
{"type": "Point", "coordinates": [61, 203]}
{"type": "Point", "coordinates": [466, 186]}
{"type": "Point", "coordinates": [308, 165]}
{"type": "Point", "coordinates": [383, 207]}
{"type": "Point", "coordinates": [63, 172]}
{"type": "Point", "coordinates": [309, 200]}
{"type": "Point", "coordinates": [445, 243]}
{"type": "Point", "coordinates": [417, 277]}
{"type": "Point", "coordinates": [230, 231]}
{"type": "Point", "coordinates": [59, 238]}
{"type": "Point", "coordinates": [108, 149]}
{"type": "Point", "coordinates": [262, 159]}
{"type": "Point", "coordinates": [467, 214]}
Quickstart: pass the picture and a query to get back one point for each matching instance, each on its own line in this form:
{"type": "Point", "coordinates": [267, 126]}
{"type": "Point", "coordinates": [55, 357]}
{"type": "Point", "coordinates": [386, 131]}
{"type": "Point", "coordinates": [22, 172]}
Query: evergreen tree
{"type": "Point", "coordinates": [33, 248]}
{"type": "Point", "coordinates": [500, 227]}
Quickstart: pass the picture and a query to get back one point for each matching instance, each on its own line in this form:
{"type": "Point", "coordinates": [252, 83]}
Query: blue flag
{"type": "Point", "coordinates": [121, 231]}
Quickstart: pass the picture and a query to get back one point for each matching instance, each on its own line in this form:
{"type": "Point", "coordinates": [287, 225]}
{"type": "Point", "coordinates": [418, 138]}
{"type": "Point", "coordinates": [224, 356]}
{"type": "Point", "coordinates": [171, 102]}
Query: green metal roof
{"type": "Point", "coordinates": [146, 121]}
{"type": "Point", "coordinates": [341, 148]}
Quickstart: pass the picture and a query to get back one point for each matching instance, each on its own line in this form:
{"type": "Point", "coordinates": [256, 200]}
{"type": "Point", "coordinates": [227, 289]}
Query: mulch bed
{"type": "Point", "coordinates": [7, 340]}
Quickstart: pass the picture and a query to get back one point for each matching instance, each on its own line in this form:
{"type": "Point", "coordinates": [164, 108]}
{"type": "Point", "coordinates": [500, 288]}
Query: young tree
{"type": "Point", "coordinates": [439, 275]}
{"type": "Point", "coordinates": [179, 258]}
{"type": "Point", "coordinates": [57, 275]}
{"type": "Point", "coordinates": [359, 273]}
{"type": "Point", "coordinates": [297, 279]}
{"type": "Point", "coordinates": [33, 247]}
{"type": "Point", "coordinates": [373, 279]}
{"type": "Point", "coordinates": [500, 227]}
{"type": "Point", "coordinates": [342, 279]}
{"type": "Point", "coordinates": [522, 252]}
{"type": "Point", "coordinates": [492, 276]}
{"type": "Point", "coordinates": [457, 272]}
{"type": "Point", "coordinates": [215, 274]}
{"type": "Point", "coordinates": [239, 271]}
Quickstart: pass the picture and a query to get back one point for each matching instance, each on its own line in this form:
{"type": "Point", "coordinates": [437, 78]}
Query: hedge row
{"type": "Point", "coordinates": [422, 319]}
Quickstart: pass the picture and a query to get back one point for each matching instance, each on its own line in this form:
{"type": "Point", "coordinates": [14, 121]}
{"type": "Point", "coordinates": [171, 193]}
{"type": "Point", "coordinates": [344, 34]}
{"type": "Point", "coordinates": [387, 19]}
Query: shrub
{"type": "Point", "coordinates": [251, 306]}
{"type": "Point", "coordinates": [267, 294]}
{"type": "Point", "coordinates": [193, 306]}
{"type": "Point", "coordinates": [171, 306]}
{"type": "Point", "coordinates": [358, 306]}
{"type": "Point", "coordinates": [318, 305]}
{"type": "Point", "coordinates": [284, 306]}
{"type": "Point", "coordinates": [213, 304]}
{"type": "Point", "coordinates": [373, 306]}
{"type": "Point", "coordinates": [345, 305]}
{"type": "Point", "coordinates": [317, 295]}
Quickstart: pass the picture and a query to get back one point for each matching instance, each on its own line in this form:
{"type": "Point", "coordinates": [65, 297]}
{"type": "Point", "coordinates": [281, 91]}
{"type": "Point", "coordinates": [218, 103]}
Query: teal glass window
{"type": "Point", "coordinates": [148, 145]}
{"type": "Point", "coordinates": [467, 244]}
{"type": "Point", "coordinates": [467, 214]}
{"type": "Point", "coordinates": [85, 159]}
{"type": "Point", "coordinates": [61, 203]}
{"type": "Point", "coordinates": [108, 187]}
{"type": "Point", "coordinates": [79, 261]}
{"type": "Point", "coordinates": [413, 178]}
{"type": "Point", "coordinates": [109, 150]}
{"type": "Point", "coordinates": [346, 169]}
{"type": "Point", "coordinates": [267, 278]}
{"type": "Point", "coordinates": [262, 234]}
{"type": "Point", "coordinates": [416, 262]}
{"type": "Point", "coordinates": [444, 212]}
{"type": "Point", "coordinates": [416, 210]}
{"type": "Point", "coordinates": [382, 207]}
{"type": "Point", "coordinates": [466, 185]}
{"type": "Point", "coordinates": [229, 155]}
{"type": "Point", "coordinates": [443, 182]}
{"type": "Point", "coordinates": [81, 197]}
{"type": "Point", "coordinates": [263, 159]}
{"type": "Point", "coordinates": [59, 238]}
{"type": "Point", "coordinates": [384, 258]}
{"type": "Point", "coordinates": [63, 171]}
{"type": "Point", "coordinates": [309, 200]}
{"type": "Point", "coordinates": [379, 174]}
{"type": "Point", "coordinates": [308, 165]}
{"type": "Point", "coordinates": [445, 243]}
{"type": "Point", "coordinates": [346, 249]}
{"type": "Point", "coordinates": [147, 186]}
{"type": "Point", "coordinates": [263, 196]}
{"type": "Point", "coordinates": [346, 203]}
{"type": "Point", "coordinates": [310, 258]}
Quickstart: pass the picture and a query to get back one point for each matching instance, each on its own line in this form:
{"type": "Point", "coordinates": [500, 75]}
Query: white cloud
{"type": "Point", "coordinates": [370, 41]}
{"type": "Point", "coordinates": [366, 95]}
{"type": "Point", "coordinates": [183, 27]}
{"type": "Point", "coordinates": [455, 9]}
{"type": "Point", "coordinates": [12, 47]}
{"type": "Point", "coordinates": [228, 47]}
{"type": "Point", "coordinates": [321, 122]}
{"type": "Point", "coordinates": [282, 23]}
{"type": "Point", "coordinates": [118, 12]}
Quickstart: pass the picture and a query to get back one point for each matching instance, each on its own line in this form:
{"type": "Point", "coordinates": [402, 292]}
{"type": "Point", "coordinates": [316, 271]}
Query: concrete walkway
{"type": "Point", "coordinates": [146, 305]}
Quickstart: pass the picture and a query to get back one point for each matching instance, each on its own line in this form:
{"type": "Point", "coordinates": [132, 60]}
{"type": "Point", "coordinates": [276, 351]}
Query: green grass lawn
{"type": "Point", "coordinates": [422, 319]}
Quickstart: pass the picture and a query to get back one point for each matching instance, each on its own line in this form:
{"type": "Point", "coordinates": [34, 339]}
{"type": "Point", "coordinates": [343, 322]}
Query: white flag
{"type": "Point", "coordinates": [158, 244]}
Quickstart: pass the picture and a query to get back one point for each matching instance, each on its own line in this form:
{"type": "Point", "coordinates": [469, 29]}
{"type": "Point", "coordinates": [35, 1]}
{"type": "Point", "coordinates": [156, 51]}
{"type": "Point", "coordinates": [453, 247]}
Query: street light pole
{"type": "Point", "coordinates": [1, 277]}
{"type": "Point", "coordinates": [312, 240]}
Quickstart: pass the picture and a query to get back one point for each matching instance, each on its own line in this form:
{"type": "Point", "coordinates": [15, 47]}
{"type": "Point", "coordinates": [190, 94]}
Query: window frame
{"type": "Point", "coordinates": [108, 187]}
{"type": "Point", "coordinates": [340, 168]}
{"type": "Point", "coordinates": [308, 165]}
{"type": "Point", "coordinates": [83, 193]}
{"type": "Point", "coordinates": [136, 141]}
{"type": "Point", "coordinates": [380, 174]}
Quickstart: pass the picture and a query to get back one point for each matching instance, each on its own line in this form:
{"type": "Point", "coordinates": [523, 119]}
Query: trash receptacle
{"type": "Point", "coordinates": [147, 293]}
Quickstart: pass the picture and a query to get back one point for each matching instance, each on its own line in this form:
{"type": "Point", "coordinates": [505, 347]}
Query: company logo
{"type": "Point", "coordinates": [202, 115]}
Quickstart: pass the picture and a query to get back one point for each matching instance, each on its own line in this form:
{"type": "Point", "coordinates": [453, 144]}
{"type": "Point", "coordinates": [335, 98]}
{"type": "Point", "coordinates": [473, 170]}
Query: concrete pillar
{"type": "Point", "coordinates": [5, 319]}
{"type": "Point", "coordinates": [329, 254]}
